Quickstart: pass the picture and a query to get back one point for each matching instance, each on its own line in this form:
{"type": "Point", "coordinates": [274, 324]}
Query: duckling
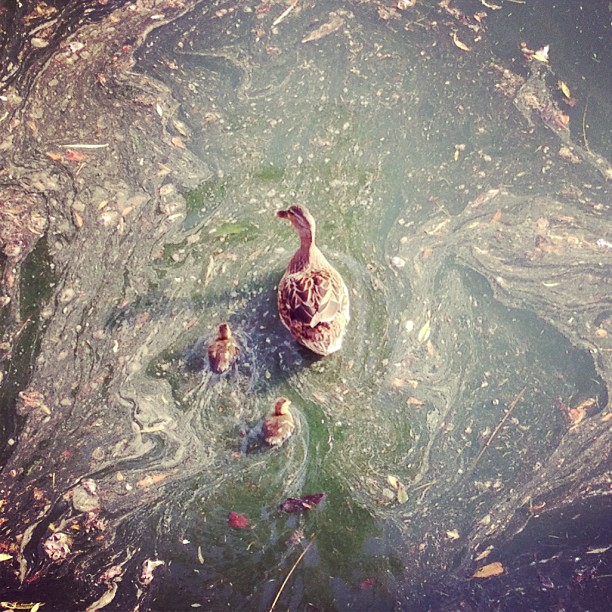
{"type": "Point", "coordinates": [313, 300]}
{"type": "Point", "coordinates": [278, 424]}
{"type": "Point", "coordinates": [223, 351]}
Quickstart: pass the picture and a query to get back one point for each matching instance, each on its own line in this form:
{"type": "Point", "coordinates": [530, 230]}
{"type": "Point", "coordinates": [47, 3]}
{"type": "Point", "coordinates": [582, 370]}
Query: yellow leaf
{"type": "Point", "coordinates": [393, 481]}
{"type": "Point", "coordinates": [493, 7]}
{"type": "Point", "coordinates": [484, 554]}
{"type": "Point", "coordinates": [452, 534]}
{"type": "Point", "coordinates": [487, 571]}
{"type": "Point", "coordinates": [425, 331]}
{"type": "Point", "coordinates": [458, 43]}
{"type": "Point", "coordinates": [565, 89]}
{"type": "Point", "coordinates": [542, 54]}
{"type": "Point", "coordinates": [36, 607]}
{"type": "Point", "coordinates": [5, 557]}
{"type": "Point", "coordinates": [402, 496]}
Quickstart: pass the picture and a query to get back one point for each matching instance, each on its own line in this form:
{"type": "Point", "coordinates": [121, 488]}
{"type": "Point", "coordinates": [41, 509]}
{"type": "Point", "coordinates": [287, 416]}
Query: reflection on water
{"type": "Point", "coordinates": [462, 234]}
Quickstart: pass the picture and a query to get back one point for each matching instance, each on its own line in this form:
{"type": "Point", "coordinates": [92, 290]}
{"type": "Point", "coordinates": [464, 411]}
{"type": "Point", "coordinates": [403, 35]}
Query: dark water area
{"type": "Point", "coordinates": [459, 174]}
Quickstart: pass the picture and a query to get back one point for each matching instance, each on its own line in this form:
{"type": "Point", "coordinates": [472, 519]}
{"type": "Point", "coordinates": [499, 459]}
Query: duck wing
{"type": "Point", "coordinates": [312, 297]}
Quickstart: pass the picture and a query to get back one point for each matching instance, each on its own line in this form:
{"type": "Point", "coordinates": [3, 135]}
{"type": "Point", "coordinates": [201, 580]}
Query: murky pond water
{"type": "Point", "coordinates": [470, 399]}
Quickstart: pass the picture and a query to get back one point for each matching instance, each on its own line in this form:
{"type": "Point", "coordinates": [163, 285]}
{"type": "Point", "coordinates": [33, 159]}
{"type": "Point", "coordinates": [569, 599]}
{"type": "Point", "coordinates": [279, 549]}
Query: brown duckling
{"type": "Point", "coordinates": [223, 351]}
{"type": "Point", "coordinates": [313, 300]}
{"type": "Point", "coordinates": [278, 424]}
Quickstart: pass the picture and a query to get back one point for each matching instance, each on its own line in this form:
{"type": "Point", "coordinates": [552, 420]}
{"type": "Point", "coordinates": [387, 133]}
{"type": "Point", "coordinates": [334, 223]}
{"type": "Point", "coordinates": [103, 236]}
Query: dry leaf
{"type": "Point", "coordinates": [487, 571]}
{"type": "Point", "coordinates": [402, 495]}
{"type": "Point", "coordinates": [333, 25]}
{"type": "Point", "coordinates": [178, 142]}
{"type": "Point", "coordinates": [484, 554]}
{"type": "Point", "coordinates": [424, 332]}
{"type": "Point", "coordinates": [565, 89]}
{"type": "Point", "coordinates": [148, 481]}
{"type": "Point", "coordinates": [452, 534]}
{"type": "Point", "coordinates": [74, 156]}
{"type": "Point", "coordinates": [458, 43]}
{"type": "Point", "coordinates": [493, 7]}
{"type": "Point", "coordinates": [393, 481]}
{"type": "Point", "coordinates": [542, 54]}
{"type": "Point", "coordinates": [55, 156]}
{"type": "Point", "coordinates": [413, 401]}
{"type": "Point", "coordinates": [5, 556]}
{"type": "Point", "coordinates": [496, 217]}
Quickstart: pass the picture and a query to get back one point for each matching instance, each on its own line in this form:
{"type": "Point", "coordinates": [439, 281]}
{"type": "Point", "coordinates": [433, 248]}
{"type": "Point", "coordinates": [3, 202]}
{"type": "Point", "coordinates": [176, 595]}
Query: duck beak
{"type": "Point", "coordinates": [283, 214]}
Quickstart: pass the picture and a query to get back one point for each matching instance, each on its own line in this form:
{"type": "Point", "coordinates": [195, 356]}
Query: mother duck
{"type": "Point", "coordinates": [313, 301]}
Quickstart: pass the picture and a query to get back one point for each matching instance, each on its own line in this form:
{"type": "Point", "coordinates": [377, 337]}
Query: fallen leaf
{"type": "Point", "coordinates": [487, 571]}
{"type": "Point", "coordinates": [452, 534]}
{"type": "Point", "coordinates": [367, 583]}
{"type": "Point", "coordinates": [74, 156]}
{"type": "Point", "coordinates": [402, 495]}
{"type": "Point", "coordinates": [55, 156]}
{"type": "Point", "coordinates": [484, 554]}
{"type": "Point", "coordinates": [598, 551]}
{"type": "Point", "coordinates": [148, 481]}
{"type": "Point", "coordinates": [393, 481]}
{"type": "Point", "coordinates": [5, 556]}
{"type": "Point", "coordinates": [493, 7]}
{"type": "Point", "coordinates": [424, 332]}
{"type": "Point", "coordinates": [565, 89]}
{"type": "Point", "coordinates": [333, 25]}
{"type": "Point", "coordinates": [413, 401]}
{"type": "Point", "coordinates": [301, 504]}
{"type": "Point", "coordinates": [178, 142]}
{"type": "Point", "coordinates": [496, 217]}
{"type": "Point", "coordinates": [542, 54]}
{"type": "Point", "coordinates": [458, 43]}
{"type": "Point", "coordinates": [238, 521]}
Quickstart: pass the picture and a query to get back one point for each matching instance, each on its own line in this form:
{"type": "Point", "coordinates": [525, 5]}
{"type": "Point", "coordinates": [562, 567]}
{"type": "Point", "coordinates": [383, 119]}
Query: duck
{"type": "Point", "coordinates": [223, 351]}
{"type": "Point", "coordinates": [313, 300]}
{"type": "Point", "coordinates": [278, 424]}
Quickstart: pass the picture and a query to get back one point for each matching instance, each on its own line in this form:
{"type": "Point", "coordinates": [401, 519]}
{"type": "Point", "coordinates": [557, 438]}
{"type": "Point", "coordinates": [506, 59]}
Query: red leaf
{"type": "Point", "coordinates": [367, 583]}
{"type": "Point", "coordinates": [238, 521]}
{"type": "Point", "coordinates": [301, 504]}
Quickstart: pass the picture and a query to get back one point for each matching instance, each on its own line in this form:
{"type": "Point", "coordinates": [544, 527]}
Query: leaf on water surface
{"type": "Point", "coordinates": [301, 504]}
{"type": "Point", "coordinates": [148, 481]}
{"type": "Point", "coordinates": [424, 332]}
{"type": "Point", "coordinates": [74, 156]}
{"type": "Point", "coordinates": [542, 54]}
{"type": "Point", "coordinates": [178, 143]}
{"type": "Point", "coordinates": [413, 401]}
{"type": "Point", "coordinates": [598, 551]}
{"type": "Point", "coordinates": [497, 216]}
{"type": "Point", "coordinates": [452, 534]}
{"type": "Point", "coordinates": [490, 570]}
{"type": "Point", "coordinates": [393, 481]}
{"type": "Point", "coordinates": [367, 583]}
{"type": "Point", "coordinates": [402, 495]}
{"type": "Point", "coordinates": [565, 89]}
{"type": "Point", "coordinates": [458, 43]}
{"type": "Point", "coordinates": [5, 556]}
{"type": "Point", "coordinates": [238, 521]}
{"type": "Point", "coordinates": [484, 554]}
{"type": "Point", "coordinates": [490, 5]}
{"type": "Point", "coordinates": [333, 25]}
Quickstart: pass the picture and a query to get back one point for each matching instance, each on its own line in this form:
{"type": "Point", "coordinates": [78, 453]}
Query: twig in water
{"type": "Point", "coordinates": [584, 136]}
{"type": "Point", "coordinates": [286, 580]}
{"type": "Point", "coordinates": [516, 400]}
{"type": "Point", "coordinates": [284, 14]}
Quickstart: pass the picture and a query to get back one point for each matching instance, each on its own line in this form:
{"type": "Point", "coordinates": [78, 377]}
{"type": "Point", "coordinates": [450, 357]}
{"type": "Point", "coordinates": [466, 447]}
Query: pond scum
{"type": "Point", "coordinates": [454, 454]}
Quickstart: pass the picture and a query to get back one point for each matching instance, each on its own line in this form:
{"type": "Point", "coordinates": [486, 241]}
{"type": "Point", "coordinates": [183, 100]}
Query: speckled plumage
{"type": "Point", "coordinates": [223, 351]}
{"type": "Point", "coordinates": [313, 300]}
{"type": "Point", "coordinates": [278, 424]}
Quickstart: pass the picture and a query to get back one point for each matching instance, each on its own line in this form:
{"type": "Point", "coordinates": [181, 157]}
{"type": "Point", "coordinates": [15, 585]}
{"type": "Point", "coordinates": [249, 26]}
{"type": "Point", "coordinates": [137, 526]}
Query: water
{"type": "Point", "coordinates": [468, 244]}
